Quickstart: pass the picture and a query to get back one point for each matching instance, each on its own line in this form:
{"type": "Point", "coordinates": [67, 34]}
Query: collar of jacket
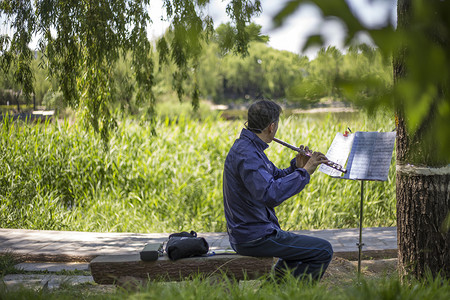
{"type": "Point", "coordinates": [260, 144]}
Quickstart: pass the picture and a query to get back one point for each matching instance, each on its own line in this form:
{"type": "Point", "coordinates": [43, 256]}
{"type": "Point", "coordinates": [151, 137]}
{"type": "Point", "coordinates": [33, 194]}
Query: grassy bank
{"type": "Point", "coordinates": [384, 288]}
{"type": "Point", "coordinates": [61, 177]}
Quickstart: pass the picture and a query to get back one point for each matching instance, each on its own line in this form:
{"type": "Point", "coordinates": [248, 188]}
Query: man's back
{"type": "Point", "coordinates": [253, 186]}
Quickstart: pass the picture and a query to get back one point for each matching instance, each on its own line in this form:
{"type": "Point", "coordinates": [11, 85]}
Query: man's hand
{"type": "Point", "coordinates": [301, 159]}
{"type": "Point", "coordinates": [315, 160]}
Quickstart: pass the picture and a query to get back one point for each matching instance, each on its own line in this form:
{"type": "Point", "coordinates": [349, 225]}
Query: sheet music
{"type": "Point", "coordinates": [371, 155]}
{"type": "Point", "coordinates": [338, 153]}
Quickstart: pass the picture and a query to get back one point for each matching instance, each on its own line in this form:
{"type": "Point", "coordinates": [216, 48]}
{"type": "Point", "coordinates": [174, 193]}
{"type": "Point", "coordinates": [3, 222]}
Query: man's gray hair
{"type": "Point", "coordinates": [261, 114]}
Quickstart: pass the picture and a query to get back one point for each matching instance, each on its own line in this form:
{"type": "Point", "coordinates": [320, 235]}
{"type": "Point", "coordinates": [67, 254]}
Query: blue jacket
{"type": "Point", "coordinates": [253, 186]}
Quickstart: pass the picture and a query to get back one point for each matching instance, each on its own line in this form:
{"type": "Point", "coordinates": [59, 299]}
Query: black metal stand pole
{"type": "Point", "coordinates": [360, 244]}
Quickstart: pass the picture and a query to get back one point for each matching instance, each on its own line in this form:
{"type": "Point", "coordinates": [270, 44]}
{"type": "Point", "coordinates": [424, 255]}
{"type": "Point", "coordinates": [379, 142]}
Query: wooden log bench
{"type": "Point", "coordinates": [111, 269]}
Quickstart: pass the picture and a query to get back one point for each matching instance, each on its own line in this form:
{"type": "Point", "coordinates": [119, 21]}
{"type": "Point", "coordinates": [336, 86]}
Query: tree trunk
{"type": "Point", "coordinates": [17, 101]}
{"type": "Point", "coordinates": [423, 187]}
{"type": "Point", "coordinates": [423, 204]}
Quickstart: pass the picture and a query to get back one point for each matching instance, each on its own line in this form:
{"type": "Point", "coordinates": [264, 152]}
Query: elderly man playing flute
{"type": "Point", "coordinates": [253, 186]}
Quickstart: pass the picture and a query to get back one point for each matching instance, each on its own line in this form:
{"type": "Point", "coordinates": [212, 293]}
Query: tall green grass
{"type": "Point", "coordinates": [57, 176]}
{"type": "Point", "coordinates": [329, 202]}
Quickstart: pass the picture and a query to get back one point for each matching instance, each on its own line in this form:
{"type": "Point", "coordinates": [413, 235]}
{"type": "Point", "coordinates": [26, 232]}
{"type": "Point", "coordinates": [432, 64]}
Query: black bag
{"type": "Point", "coordinates": [185, 244]}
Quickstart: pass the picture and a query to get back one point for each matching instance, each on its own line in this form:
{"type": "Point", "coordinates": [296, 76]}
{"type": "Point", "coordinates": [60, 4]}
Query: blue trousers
{"type": "Point", "coordinates": [299, 254]}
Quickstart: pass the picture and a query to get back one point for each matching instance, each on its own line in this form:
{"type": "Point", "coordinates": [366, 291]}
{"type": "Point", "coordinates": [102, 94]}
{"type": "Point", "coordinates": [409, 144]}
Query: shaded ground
{"type": "Point", "coordinates": [342, 271]}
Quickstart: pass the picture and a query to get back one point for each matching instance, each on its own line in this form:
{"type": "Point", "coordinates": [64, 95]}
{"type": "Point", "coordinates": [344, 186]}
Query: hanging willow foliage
{"type": "Point", "coordinates": [81, 40]}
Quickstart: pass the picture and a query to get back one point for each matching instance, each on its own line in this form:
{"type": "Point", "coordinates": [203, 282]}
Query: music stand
{"type": "Point", "coordinates": [369, 160]}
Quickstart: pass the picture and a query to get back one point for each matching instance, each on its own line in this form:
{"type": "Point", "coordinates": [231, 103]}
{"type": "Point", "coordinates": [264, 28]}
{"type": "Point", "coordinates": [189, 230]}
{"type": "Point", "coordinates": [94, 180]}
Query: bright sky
{"type": "Point", "coordinates": [306, 21]}
{"type": "Point", "coordinates": [293, 34]}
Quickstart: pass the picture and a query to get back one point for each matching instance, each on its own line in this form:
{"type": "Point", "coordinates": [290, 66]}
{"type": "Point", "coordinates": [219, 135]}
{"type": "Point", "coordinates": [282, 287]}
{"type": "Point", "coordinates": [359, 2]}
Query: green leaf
{"type": "Point", "coordinates": [286, 11]}
{"type": "Point", "coordinates": [312, 41]}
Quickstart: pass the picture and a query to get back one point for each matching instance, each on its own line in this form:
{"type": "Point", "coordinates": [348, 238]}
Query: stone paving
{"type": "Point", "coordinates": [52, 266]}
{"type": "Point", "coordinates": [48, 281]}
{"type": "Point", "coordinates": [56, 251]}
{"type": "Point", "coordinates": [42, 245]}
{"type": "Point", "coordinates": [49, 275]}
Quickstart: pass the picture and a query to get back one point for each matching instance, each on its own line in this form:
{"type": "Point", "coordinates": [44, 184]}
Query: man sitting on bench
{"type": "Point", "coordinates": [253, 186]}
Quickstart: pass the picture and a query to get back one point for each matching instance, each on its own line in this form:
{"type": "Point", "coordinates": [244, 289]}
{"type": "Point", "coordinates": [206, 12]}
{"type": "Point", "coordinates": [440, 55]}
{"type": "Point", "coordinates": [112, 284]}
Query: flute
{"type": "Point", "coordinates": [329, 163]}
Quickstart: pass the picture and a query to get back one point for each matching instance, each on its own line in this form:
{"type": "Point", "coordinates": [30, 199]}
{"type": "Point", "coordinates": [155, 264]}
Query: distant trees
{"type": "Point", "coordinates": [264, 72]}
{"type": "Point", "coordinates": [98, 57]}
{"type": "Point", "coordinates": [223, 75]}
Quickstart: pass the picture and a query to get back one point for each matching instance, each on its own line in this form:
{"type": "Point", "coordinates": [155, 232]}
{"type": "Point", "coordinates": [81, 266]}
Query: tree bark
{"type": "Point", "coordinates": [423, 186]}
{"type": "Point", "coordinates": [422, 207]}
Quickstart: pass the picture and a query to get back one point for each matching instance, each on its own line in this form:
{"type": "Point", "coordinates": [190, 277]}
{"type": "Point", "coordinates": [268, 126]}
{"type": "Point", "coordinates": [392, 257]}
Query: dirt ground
{"type": "Point", "coordinates": [343, 271]}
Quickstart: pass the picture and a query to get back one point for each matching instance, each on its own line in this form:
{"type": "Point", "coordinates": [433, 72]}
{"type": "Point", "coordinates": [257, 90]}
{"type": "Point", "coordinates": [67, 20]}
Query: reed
{"type": "Point", "coordinates": [57, 176]}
